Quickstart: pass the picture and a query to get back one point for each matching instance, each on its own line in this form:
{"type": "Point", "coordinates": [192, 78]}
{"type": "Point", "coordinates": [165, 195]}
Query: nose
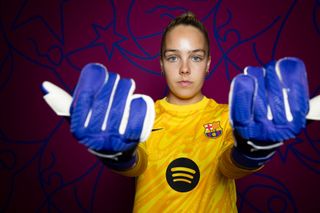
{"type": "Point", "coordinates": [184, 68]}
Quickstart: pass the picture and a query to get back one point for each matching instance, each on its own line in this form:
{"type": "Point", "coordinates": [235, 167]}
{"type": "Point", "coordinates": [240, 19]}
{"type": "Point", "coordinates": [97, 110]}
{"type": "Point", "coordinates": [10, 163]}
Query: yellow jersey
{"type": "Point", "coordinates": [185, 165]}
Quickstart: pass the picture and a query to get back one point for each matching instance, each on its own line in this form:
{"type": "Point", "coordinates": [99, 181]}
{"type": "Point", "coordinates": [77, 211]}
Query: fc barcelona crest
{"type": "Point", "coordinates": [213, 130]}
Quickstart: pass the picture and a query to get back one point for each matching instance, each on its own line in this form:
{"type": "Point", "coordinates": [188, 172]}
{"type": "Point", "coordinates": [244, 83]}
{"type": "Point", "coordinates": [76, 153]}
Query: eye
{"type": "Point", "coordinates": [172, 58]}
{"type": "Point", "coordinates": [196, 58]}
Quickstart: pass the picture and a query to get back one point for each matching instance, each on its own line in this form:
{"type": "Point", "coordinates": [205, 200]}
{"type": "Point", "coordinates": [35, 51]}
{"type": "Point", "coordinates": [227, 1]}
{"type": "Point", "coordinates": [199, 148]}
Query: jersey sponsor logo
{"type": "Point", "coordinates": [183, 175]}
{"type": "Point", "coordinates": [213, 130]}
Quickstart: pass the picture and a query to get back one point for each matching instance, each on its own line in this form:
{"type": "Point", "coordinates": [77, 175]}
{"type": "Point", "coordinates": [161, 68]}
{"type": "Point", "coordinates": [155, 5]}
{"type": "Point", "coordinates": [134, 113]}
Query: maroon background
{"type": "Point", "coordinates": [44, 169]}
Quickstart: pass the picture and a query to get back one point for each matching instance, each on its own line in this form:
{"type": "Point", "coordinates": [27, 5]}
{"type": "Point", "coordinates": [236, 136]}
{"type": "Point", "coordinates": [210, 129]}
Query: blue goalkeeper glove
{"type": "Point", "coordinates": [105, 114]}
{"type": "Point", "coordinates": [267, 106]}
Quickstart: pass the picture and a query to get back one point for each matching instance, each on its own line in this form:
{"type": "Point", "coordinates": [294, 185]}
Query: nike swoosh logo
{"type": "Point", "coordinates": [153, 130]}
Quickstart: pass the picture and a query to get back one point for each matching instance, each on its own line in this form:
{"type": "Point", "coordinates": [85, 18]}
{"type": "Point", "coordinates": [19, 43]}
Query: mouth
{"type": "Point", "coordinates": [184, 83]}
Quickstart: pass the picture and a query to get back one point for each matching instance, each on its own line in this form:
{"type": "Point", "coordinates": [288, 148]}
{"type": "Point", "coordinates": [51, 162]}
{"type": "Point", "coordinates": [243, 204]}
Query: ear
{"type": "Point", "coordinates": [208, 63]}
{"type": "Point", "coordinates": [161, 66]}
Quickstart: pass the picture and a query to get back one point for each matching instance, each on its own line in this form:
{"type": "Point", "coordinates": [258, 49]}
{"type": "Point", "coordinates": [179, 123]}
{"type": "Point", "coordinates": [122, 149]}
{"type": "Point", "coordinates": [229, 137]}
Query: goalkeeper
{"type": "Point", "coordinates": [186, 150]}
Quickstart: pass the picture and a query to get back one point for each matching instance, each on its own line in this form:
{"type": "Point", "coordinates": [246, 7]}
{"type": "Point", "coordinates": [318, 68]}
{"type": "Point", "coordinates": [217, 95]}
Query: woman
{"type": "Point", "coordinates": [190, 160]}
{"type": "Point", "coordinates": [183, 155]}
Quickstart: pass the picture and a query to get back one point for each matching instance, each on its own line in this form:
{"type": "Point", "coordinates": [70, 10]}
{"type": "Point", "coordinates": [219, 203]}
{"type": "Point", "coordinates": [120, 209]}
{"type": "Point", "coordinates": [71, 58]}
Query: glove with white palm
{"type": "Point", "coordinates": [106, 116]}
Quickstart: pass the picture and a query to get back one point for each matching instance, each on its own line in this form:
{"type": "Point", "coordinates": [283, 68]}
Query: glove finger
{"type": "Point", "coordinates": [141, 118]}
{"type": "Point", "coordinates": [102, 103]}
{"type": "Point", "coordinates": [275, 96]}
{"type": "Point", "coordinates": [79, 115]}
{"type": "Point", "coordinates": [260, 102]}
{"type": "Point", "coordinates": [90, 81]}
{"type": "Point", "coordinates": [120, 105]}
{"type": "Point", "coordinates": [92, 78]}
{"type": "Point", "coordinates": [242, 94]}
{"type": "Point", "coordinates": [293, 76]}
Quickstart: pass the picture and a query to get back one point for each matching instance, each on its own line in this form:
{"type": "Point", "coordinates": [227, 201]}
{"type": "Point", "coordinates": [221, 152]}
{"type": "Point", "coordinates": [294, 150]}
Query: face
{"type": "Point", "coordinates": [185, 63]}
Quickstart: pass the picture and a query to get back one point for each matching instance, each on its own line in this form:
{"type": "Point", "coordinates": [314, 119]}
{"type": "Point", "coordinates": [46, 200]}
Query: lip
{"type": "Point", "coordinates": [184, 83]}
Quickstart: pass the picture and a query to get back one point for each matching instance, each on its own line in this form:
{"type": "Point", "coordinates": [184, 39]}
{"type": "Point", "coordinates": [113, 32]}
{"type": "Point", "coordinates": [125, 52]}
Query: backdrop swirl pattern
{"type": "Point", "coordinates": [44, 169]}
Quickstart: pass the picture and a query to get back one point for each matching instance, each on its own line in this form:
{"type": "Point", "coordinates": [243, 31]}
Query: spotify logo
{"type": "Point", "coordinates": [183, 174]}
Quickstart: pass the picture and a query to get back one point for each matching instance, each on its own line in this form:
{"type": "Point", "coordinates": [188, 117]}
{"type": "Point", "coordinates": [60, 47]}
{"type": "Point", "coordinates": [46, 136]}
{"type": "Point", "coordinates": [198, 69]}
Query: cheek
{"type": "Point", "coordinates": [200, 80]}
{"type": "Point", "coordinates": [199, 71]}
{"type": "Point", "coordinates": [171, 67]}
{"type": "Point", "coordinates": [169, 76]}
{"type": "Point", "coordinates": [170, 71]}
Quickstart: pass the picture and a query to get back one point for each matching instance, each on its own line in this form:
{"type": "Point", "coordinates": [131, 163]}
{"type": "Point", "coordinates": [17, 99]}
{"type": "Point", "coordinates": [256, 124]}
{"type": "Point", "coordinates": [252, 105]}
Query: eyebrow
{"type": "Point", "coordinates": [176, 50]}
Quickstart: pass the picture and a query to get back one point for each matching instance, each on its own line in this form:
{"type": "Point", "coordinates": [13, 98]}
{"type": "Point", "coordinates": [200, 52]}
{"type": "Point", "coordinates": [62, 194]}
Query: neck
{"type": "Point", "coordinates": [181, 101]}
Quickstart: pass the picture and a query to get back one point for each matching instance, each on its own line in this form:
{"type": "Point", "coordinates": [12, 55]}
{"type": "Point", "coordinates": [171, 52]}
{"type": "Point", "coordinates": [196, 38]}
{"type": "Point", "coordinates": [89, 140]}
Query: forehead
{"type": "Point", "coordinates": [185, 37]}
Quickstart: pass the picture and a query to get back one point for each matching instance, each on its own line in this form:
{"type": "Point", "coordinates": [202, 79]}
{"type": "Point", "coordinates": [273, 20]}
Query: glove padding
{"type": "Point", "coordinates": [270, 104]}
{"type": "Point", "coordinates": [105, 114]}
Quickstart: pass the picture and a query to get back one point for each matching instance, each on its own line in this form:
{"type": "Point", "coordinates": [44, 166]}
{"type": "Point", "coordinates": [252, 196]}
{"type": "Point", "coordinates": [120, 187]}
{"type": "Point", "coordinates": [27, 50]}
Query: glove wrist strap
{"type": "Point", "coordinates": [252, 155]}
{"type": "Point", "coordinates": [255, 148]}
{"type": "Point", "coordinates": [248, 162]}
{"type": "Point", "coordinates": [118, 161]}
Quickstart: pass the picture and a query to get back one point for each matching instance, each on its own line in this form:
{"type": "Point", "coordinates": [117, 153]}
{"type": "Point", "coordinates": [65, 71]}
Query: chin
{"type": "Point", "coordinates": [186, 96]}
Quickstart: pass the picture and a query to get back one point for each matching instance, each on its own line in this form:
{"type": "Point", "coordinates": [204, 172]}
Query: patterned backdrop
{"type": "Point", "coordinates": [44, 169]}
